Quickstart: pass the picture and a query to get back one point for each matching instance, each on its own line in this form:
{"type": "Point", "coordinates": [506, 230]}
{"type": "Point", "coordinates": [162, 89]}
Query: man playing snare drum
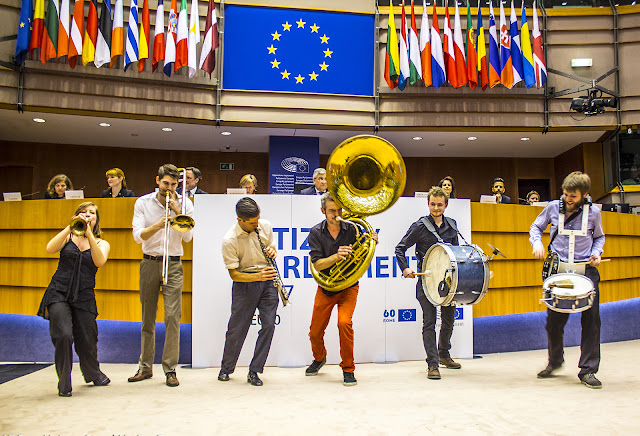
{"type": "Point", "coordinates": [443, 229]}
{"type": "Point", "coordinates": [571, 207]}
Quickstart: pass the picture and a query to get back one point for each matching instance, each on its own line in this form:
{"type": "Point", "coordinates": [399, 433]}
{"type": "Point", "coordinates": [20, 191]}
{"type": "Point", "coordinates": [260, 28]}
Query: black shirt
{"type": "Point", "coordinates": [323, 245]}
{"type": "Point", "coordinates": [107, 193]}
{"type": "Point", "coordinates": [423, 239]}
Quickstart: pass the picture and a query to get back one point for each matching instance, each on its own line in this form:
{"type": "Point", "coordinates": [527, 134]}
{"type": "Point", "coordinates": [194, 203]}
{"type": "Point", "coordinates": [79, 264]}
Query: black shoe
{"type": "Point", "coordinates": [315, 367]}
{"type": "Point", "coordinates": [64, 391]}
{"type": "Point", "coordinates": [590, 381]}
{"type": "Point", "coordinates": [253, 378]}
{"type": "Point", "coordinates": [102, 380]}
{"type": "Point", "coordinates": [548, 371]}
{"type": "Point", "coordinates": [349, 379]}
{"type": "Point", "coordinates": [223, 376]}
{"type": "Point", "coordinates": [64, 394]}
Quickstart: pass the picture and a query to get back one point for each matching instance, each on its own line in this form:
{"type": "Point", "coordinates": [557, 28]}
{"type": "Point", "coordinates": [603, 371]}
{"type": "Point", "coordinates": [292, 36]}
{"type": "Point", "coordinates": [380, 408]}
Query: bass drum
{"type": "Point", "coordinates": [456, 274]}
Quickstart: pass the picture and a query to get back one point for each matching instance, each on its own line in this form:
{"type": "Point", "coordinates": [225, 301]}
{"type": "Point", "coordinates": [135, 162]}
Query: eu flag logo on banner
{"type": "Point", "coordinates": [459, 314]}
{"type": "Point", "coordinates": [406, 315]}
{"type": "Point", "coordinates": [298, 51]}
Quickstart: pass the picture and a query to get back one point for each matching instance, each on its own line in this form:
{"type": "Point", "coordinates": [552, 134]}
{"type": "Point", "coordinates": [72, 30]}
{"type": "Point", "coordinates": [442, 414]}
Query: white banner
{"type": "Point", "coordinates": [387, 321]}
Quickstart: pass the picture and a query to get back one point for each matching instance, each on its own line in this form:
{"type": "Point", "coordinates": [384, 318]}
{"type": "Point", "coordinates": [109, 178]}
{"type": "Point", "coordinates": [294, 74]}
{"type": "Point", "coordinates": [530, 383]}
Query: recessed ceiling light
{"type": "Point", "coordinates": [417, 138]}
{"type": "Point", "coordinates": [38, 120]}
{"type": "Point", "coordinates": [105, 125]}
{"type": "Point", "coordinates": [167, 129]}
{"type": "Point", "coordinates": [225, 133]}
{"type": "Point", "coordinates": [472, 138]}
{"type": "Point", "coordinates": [525, 139]}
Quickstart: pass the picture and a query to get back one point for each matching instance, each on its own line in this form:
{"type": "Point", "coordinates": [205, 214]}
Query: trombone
{"type": "Point", "coordinates": [180, 223]}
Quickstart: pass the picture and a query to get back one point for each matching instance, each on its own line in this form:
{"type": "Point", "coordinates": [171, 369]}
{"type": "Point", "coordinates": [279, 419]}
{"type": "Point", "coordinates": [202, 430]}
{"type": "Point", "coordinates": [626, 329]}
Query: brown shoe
{"type": "Point", "coordinates": [172, 380]}
{"type": "Point", "coordinates": [142, 374]}
{"type": "Point", "coordinates": [449, 363]}
{"type": "Point", "coordinates": [433, 373]}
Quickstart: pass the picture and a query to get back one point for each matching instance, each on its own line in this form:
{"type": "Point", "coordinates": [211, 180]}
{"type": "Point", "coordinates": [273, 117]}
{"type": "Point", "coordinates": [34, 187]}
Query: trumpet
{"type": "Point", "coordinates": [78, 226]}
{"type": "Point", "coordinates": [180, 223]}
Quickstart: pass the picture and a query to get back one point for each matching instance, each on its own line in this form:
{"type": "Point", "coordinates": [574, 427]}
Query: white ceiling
{"type": "Point", "coordinates": [85, 130]}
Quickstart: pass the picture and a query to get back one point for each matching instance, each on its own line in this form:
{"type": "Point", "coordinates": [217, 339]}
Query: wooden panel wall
{"type": "Point", "coordinates": [26, 269]}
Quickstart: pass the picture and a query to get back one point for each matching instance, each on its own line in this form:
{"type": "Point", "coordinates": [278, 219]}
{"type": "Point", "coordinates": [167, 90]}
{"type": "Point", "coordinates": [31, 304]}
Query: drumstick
{"type": "Point", "coordinates": [426, 273]}
{"type": "Point", "coordinates": [587, 262]}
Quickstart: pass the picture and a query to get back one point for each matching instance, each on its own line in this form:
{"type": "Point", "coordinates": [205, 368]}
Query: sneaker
{"type": "Point", "coordinates": [433, 373]}
{"type": "Point", "coordinates": [590, 381]}
{"type": "Point", "coordinates": [315, 367]}
{"type": "Point", "coordinates": [449, 363]}
{"type": "Point", "coordinates": [548, 371]}
{"type": "Point", "coordinates": [349, 379]}
{"type": "Point", "coordinates": [223, 376]}
{"type": "Point", "coordinates": [172, 380]}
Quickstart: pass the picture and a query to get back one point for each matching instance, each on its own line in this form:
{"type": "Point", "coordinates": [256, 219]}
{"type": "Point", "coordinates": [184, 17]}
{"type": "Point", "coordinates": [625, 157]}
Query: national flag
{"type": "Point", "coordinates": [392, 56]}
{"type": "Point", "coordinates": [103, 45]}
{"type": "Point", "coordinates": [24, 32]}
{"type": "Point", "coordinates": [194, 37]}
{"type": "Point", "coordinates": [158, 37]}
{"type": "Point", "coordinates": [527, 53]}
{"type": "Point", "coordinates": [538, 54]}
{"type": "Point", "coordinates": [447, 48]}
{"type": "Point", "coordinates": [438, 74]}
{"type": "Point", "coordinates": [506, 65]}
{"type": "Point", "coordinates": [458, 48]}
{"type": "Point", "coordinates": [516, 51]}
{"type": "Point", "coordinates": [77, 30]}
{"type": "Point", "coordinates": [494, 57]}
{"type": "Point", "coordinates": [117, 32]}
{"type": "Point", "coordinates": [49, 46]}
{"type": "Point", "coordinates": [425, 46]}
{"type": "Point", "coordinates": [145, 33]}
{"type": "Point", "coordinates": [90, 34]}
{"type": "Point", "coordinates": [415, 63]}
{"type": "Point", "coordinates": [170, 47]}
{"type": "Point", "coordinates": [182, 43]}
{"type": "Point", "coordinates": [405, 71]}
{"type": "Point", "coordinates": [211, 41]}
{"type": "Point", "coordinates": [37, 26]}
{"type": "Point", "coordinates": [482, 52]}
{"type": "Point", "coordinates": [472, 53]}
{"type": "Point", "coordinates": [131, 44]}
{"type": "Point", "coordinates": [63, 29]}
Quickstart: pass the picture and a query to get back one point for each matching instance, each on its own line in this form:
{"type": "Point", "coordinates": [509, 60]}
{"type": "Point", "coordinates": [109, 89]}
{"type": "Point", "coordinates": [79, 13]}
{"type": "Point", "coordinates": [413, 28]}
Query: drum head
{"type": "Point", "coordinates": [437, 260]}
{"type": "Point", "coordinates": [558, 284]}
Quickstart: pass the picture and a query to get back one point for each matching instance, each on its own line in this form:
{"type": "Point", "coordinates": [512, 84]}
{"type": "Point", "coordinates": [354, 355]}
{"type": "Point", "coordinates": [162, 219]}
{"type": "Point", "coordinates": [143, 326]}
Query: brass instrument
{"type": "Point", "coordinates": [365, 176]}
{"type": "Point", "coordinates": [277, 281]}
{"type": "Point", "coordinates": [180, 223]}
{"type": "Point", "coordinates": [78, 226]}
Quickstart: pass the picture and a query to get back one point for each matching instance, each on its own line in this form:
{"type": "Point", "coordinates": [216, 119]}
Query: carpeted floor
{"type": "Point", "coordinates": [10, 371]}
{"type": "Point", "coordinates": [498, 394]}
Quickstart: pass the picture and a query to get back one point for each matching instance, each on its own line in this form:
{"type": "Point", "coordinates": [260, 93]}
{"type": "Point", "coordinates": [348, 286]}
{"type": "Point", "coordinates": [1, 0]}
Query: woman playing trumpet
{"type": "Point", "coordinates": [69, 303]}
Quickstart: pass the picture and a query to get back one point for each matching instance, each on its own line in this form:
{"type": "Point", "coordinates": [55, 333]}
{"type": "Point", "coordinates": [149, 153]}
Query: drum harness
{"type": "Point", "coordinates": [551, 262]}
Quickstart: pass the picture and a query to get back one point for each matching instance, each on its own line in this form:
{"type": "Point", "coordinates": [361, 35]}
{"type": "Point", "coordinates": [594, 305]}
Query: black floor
{"type": "Point", "coordinates": [10, 371]}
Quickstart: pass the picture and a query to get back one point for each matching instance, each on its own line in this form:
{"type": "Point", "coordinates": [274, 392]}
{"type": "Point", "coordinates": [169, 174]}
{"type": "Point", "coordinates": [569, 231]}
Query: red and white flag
{"type": "Point", "coordinates": [63, 29]}
{"type": "Point", "coordinates": [158, 37]}
{"type": "Point", "coordinates": [210, 42]}
{"type": "Point", "coordinates": [458, 47]}
{"type": "Point", "coordinates": [77, 30]}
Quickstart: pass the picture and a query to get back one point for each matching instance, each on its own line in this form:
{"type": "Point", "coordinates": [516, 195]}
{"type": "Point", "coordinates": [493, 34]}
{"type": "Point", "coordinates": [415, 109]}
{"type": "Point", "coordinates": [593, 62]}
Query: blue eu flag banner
{"type": "Point", "coordinates": [268, 49]}
{"type": "Point", "coordinates": [24, 32]}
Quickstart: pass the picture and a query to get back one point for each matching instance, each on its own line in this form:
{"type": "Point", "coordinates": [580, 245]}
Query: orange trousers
{"type": "Point", "coordinates": [322, 308]}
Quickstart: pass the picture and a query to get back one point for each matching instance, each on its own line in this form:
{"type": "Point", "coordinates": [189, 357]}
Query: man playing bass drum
{"type": "Point", "coordinates": [424, 233]}
{"type": "Point", "coordinates": [575, 188]}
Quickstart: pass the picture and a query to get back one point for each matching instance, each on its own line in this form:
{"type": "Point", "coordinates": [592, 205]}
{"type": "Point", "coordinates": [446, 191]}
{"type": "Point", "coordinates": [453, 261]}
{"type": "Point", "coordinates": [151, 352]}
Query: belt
{"type": "Point", "coordinates": [159, 258]}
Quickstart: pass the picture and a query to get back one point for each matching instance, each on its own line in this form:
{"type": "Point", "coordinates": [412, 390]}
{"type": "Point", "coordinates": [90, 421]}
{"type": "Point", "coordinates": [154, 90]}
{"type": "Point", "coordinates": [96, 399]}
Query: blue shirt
{"type": "Point", "coordinates": [585, 247]}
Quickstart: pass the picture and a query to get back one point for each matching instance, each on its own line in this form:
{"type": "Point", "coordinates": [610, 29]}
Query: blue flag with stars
{"type": "Point", "coordinates": [291, 50]}
{"type": "Point", "coordinates": [24, 32]}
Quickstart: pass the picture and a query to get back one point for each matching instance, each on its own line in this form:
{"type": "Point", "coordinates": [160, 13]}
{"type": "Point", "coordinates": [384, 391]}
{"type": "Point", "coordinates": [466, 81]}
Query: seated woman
{"type": "Point", "coordinates": [117, 185]}
{"type": "Point", "coordinates": [57, 187]}
{"type": "Point", "coordinates": [250, 182]}
{"type": "Point", "coordinates": [448, 186]}
{"type": "Point", "coordinates": [69, 303]}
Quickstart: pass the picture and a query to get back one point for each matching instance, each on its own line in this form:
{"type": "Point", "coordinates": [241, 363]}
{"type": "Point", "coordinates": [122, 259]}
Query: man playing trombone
{"type": "Point", "coordinates": [161, 268]}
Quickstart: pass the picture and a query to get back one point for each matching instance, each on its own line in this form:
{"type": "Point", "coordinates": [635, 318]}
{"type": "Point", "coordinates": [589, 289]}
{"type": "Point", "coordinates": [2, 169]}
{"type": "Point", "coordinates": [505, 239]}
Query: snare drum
{"type": "Point", "coordinates": [560, 296]}
{"type": "Point", "coordinates": [457, 274]}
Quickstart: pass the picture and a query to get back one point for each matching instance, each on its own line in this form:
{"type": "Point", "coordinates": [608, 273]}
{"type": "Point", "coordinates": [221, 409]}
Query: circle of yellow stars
{"type": "Point", "coordinates": [324, 39]}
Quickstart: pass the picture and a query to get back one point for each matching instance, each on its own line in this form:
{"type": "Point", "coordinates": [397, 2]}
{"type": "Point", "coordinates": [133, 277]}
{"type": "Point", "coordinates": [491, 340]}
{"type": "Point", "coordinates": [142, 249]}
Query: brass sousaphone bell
{"type": "Point", "coordinates": [365, 176]}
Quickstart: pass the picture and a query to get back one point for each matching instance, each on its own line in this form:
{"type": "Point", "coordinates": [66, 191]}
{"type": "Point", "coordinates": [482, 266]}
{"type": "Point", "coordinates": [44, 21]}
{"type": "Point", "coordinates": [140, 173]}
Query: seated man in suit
{"type": "Point", "coordinates": [498, 190]}
{"type": "Point", "coordinates": [319, 183]}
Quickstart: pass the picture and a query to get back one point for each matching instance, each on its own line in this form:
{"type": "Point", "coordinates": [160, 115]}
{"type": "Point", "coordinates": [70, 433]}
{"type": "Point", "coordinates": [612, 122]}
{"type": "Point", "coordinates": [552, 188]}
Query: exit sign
{"type": "Point", "coordinates": [226, 166]}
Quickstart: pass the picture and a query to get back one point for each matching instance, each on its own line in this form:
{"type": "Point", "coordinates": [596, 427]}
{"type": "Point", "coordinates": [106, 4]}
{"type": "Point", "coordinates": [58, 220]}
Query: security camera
{"type": "Point", "coordinates": [228, 147]}
{"type": "Point", "coordinates": [593, 104]}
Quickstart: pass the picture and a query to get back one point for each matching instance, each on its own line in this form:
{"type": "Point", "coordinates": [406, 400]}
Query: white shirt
{"type": "Point", "coordinates": [241, 250]}
{"type": "Point", "coordinates": [147, 211]}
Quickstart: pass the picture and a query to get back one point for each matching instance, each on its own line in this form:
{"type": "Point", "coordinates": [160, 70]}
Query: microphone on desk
{"type": "Point", "coordinates": [29, 195]}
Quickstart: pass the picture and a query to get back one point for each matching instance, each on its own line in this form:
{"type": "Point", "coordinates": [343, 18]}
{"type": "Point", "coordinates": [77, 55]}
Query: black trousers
{"type": "Point", "coordinates": [67, 326]}
{"type": "Point", "coordinates": [245, 299]}
{"type": "Point", "coordinates": [429, 314]}
{"type": "Point", "coordinates": [590, 340]}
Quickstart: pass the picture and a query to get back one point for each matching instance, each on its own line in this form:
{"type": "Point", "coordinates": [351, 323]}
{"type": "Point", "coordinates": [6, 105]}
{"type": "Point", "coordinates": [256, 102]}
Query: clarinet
{"type": "Point", "coordinates": [277, 282]}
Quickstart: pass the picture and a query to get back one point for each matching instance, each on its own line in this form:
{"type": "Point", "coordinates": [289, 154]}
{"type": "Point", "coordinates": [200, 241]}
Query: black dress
{"type": "Point", "coordinates": [124, 192]}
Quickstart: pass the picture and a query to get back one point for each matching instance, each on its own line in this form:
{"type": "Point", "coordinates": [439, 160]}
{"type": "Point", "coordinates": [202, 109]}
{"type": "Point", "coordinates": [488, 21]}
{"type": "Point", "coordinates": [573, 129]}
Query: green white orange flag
{"type": "Point", "coordinates": [182, 45]}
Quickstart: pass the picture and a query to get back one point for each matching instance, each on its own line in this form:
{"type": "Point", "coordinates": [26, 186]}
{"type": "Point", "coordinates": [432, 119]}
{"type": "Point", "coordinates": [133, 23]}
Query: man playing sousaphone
{"type": "Point", "coordinates": [424, 233]}
{"type": "Point", "coordinates": [331, 241]}
{"type": "Point", "coordinates": [569, 212]}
